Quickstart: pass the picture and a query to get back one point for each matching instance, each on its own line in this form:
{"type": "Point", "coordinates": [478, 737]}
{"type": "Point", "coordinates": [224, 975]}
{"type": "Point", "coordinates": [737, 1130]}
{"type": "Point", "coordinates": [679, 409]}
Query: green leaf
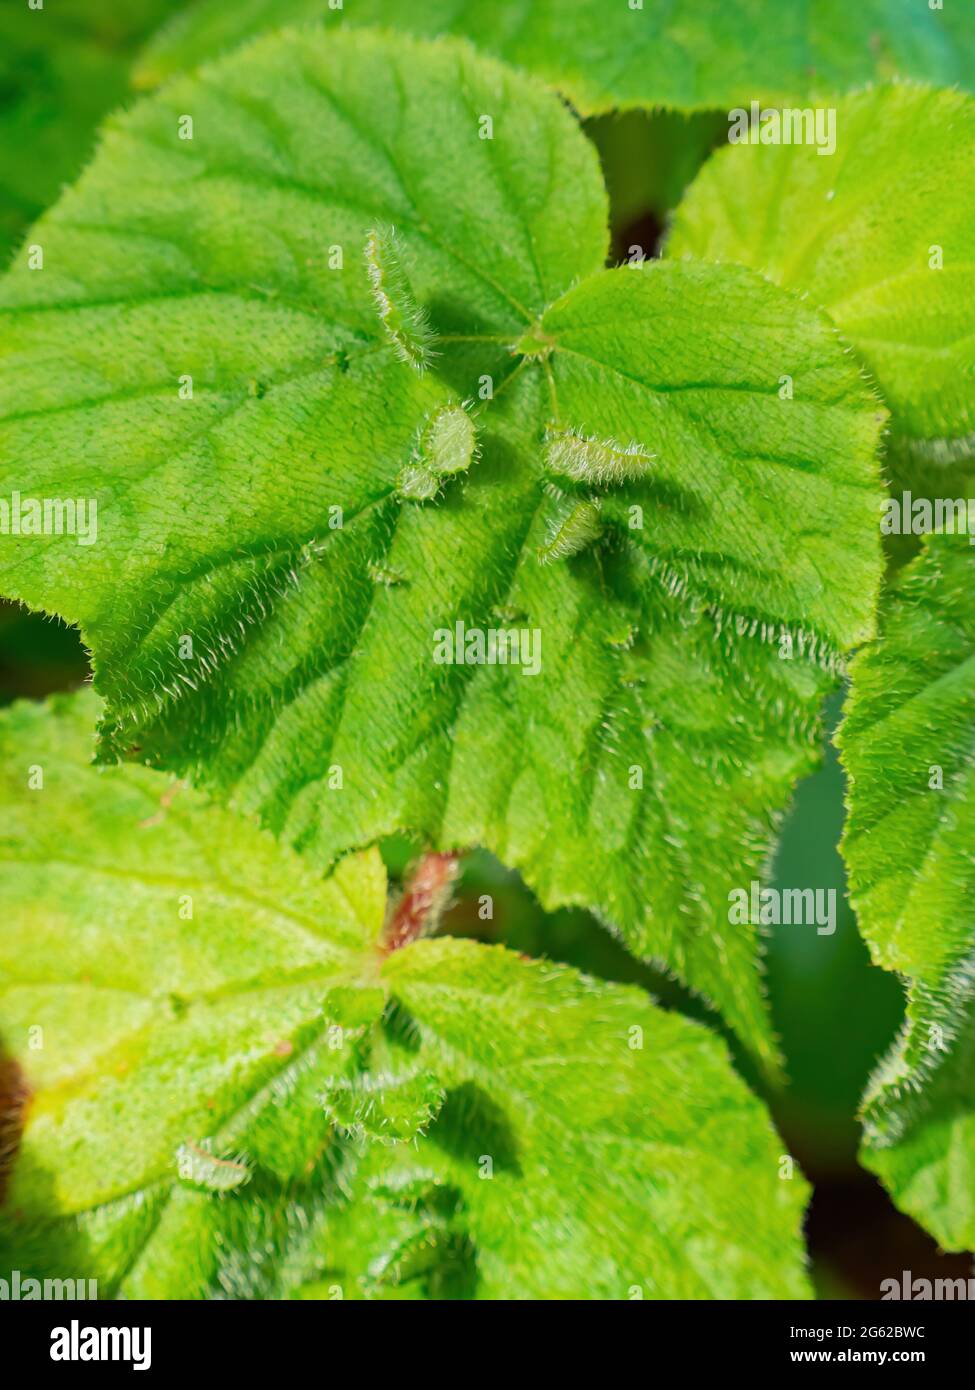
{"type": "Point", "coordinates": [860, 232]}
{"type": "Point", "coordinates": [699, 436]}
{"type": "Point", "coordinates": [268, 603]}
{"type": "Point", "coordinates": [571, 1105]}
{"type": "Point", "coordinates": [689, 55]}
{"type": "Point", "coordinates": [908, 742]}
{"type": "Point", "coordinates": [62, 67]}
{"type": "Point", "coordinates": [164, 965]}
{"type": "Point", "coordinates": [540, 1134]}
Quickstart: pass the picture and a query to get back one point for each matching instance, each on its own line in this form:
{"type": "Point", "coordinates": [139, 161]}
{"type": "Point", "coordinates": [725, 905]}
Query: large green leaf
{"type": "Point", "coordinates": [62, 67]}
{"type": "Point", "coordinates": [909, 747]}
{"type": "Point", "coordinates": [602, 1107]}
{"type": "Point", "coordinates": [179, 1076]}
{"type": "Point", "coordinates": [163, 967]}
{"type": "Point", "coordinates": [606, 54]}
{"type": "Point", "coordinates": [881, 233]}
{"type": "Point", "coordinates": [640, 771]}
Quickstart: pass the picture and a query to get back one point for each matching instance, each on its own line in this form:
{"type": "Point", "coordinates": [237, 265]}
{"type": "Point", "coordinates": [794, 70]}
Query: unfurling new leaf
{"type": "Point", "coordinates": [597, 462]}
{"type": "Point", "coordinates": [405, 323]}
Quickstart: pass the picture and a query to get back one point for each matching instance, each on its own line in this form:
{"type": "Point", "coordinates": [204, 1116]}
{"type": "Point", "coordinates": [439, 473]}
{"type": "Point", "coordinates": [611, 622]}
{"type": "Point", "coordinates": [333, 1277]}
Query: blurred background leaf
{"type": "Point", "coordinates": [62, 68]}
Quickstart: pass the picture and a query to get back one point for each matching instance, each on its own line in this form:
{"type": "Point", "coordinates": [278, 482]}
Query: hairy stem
{"type": "Point", "coordinates": [423, 900]}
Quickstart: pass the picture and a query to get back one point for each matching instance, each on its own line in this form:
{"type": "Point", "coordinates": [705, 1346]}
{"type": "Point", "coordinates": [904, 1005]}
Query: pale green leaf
{"type": "Point", "coordinates": [669, 687]}
{"type": "Point", "coordinates": [908, 743]}
{"type": "Point", "coordinates": [163, 968]}
{"type": "Point", "coordinates": [177, 1078]}
{"type": "Point", "coordinates": [571, 1105]}
{"type": "Point", "coordinates": [881, 233]}
{"type": "Point", "coordinates": [612, 54]}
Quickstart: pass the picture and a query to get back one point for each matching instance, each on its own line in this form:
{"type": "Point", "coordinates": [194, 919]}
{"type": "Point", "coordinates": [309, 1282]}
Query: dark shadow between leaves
{"type": "Point", "coordinates": [471, 1127]}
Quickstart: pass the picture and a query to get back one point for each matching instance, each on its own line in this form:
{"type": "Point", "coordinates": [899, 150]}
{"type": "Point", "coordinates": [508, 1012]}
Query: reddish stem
{"type": "Point", "coordinates": [14, 1099]}
{"type": "Point", "coordinates": [423, 900]}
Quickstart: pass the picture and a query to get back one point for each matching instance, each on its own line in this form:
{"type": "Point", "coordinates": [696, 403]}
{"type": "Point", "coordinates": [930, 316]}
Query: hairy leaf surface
{"type": "Point", "coordinates": [519, 1127]}
{"type": "Point", "coordinates": [692, 54]}
{"type": "Point", "coordinates": [164, 965]}
{"type": "Point", "coordinates": [269, 597]}
{"type": "Point", "coordinates": [881, 233]}
{"type": "Point", "coordinates": [590, 1105]}
{"type": "Point", "coordinates": [909, 746]}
